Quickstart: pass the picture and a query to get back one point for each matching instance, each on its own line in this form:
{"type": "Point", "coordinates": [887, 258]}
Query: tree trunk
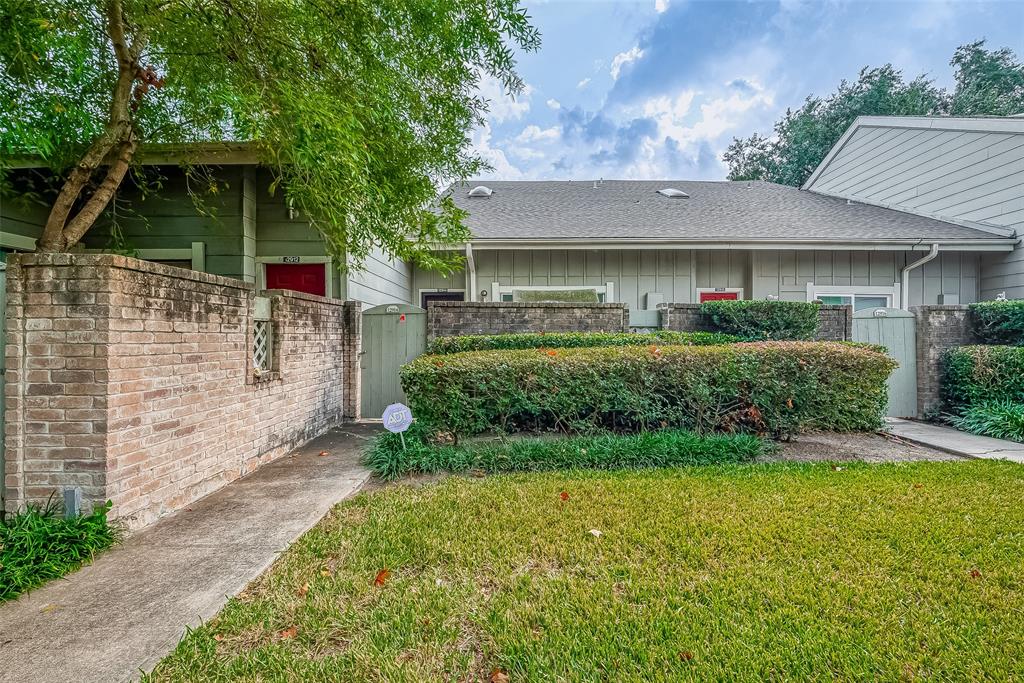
{"type": "Point", "coordinates": [118, 138]}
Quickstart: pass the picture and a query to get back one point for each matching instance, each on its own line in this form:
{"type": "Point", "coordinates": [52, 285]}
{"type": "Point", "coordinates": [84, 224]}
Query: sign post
{"type": "Point", "coordinates": [397, 418]}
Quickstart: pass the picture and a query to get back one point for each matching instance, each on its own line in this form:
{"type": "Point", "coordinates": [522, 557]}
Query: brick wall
{"type": "Point", "coordinates": [453, 318]}
{"type": "Point", "coordinates": [938, 328]}
{"type": "Point", "coordinates": [134, 381]}
{"type": "Point", "coordinates": [835, 322]}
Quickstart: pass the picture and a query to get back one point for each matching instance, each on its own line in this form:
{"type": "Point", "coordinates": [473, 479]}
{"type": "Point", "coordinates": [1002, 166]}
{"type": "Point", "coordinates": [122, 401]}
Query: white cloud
{"type": "Point", "coordinates": [660, 6]}
{"type": "Point", "coordinates": [583, 84]}
{"type": "Point", "coordinates": [502, 167]}
{"type": "Point", "coordinates": [534, 133]}
{"type": "Point", "coordinates": [623, 58]}
{"type": "Point", "coordinates": [503, 107]}
{"type": "Point", "coordinates": [554, 104]}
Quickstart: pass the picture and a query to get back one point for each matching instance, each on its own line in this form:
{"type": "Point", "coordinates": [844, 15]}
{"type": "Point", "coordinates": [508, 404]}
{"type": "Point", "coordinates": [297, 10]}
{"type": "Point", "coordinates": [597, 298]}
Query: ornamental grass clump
{"type": "Point", "coordinates": [769, 388]}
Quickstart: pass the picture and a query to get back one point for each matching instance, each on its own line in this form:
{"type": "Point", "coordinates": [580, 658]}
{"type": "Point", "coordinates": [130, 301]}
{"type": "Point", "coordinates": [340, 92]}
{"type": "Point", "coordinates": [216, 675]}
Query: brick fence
{"type": "Point", "coordinates": [453, 318]}
{"type": "Point", "coordinates": [134, 381]}
{"type": "Point", "coordinates": [938, 328]}
{"type": "Point", "coordinates": [835, 322]}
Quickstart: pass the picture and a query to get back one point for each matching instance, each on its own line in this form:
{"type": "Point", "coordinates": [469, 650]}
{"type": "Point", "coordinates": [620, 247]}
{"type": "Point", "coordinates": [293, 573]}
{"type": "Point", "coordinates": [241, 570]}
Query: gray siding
{"type": "Point", "coordinates": [785, 274]}
{"type": "Point", "coordinates": [678, 274]}
{"type": "Point", "coordinates": [973, 176]}
{"type": "Point", "coordinates": [381, 280]}
{"type": "Point", "coordinates": [20, 219]}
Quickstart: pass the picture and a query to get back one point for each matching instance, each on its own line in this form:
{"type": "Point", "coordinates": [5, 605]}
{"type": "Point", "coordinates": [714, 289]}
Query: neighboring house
{"type": "Point", "coordinates": [968, 171]}
{"type": "Point", "coordinates": [246, 233]}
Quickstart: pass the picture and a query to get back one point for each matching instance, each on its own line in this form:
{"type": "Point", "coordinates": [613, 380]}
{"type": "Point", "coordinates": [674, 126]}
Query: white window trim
{"type": "Point", "coordinates": [852, 291]}
{"type": "Point", "coordinates": [262, 261]}
{"type": "Point", "coordinates": [608, 289]}
{"type": "Point", "coordinates": [738, 291]}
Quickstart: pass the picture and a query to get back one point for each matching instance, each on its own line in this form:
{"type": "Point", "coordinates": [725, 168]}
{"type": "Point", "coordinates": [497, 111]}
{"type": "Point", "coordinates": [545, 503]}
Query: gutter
{"type": "Point", "coordinates": [471, 272]}
{"type": "Point", "coordinates": [905, 275]}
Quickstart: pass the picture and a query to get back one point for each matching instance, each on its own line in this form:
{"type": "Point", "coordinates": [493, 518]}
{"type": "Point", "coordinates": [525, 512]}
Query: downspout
{"type": "Point", "coordinates": [471, 271]}
{"type": "Point", "coordinates": [905, 275]}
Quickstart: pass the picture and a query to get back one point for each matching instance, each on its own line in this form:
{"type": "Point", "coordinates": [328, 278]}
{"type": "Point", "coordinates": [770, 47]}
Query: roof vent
{"type": "Point", "coordinates": [481, 191]}
{"type": "Point", "coordinates": [673, 193]}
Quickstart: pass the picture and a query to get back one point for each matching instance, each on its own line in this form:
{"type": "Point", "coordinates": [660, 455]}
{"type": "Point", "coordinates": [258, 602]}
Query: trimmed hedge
{"type": "Point", "coordinates": [388, 459]}
{"type": "Point", "coordinates": [979, 374]}
{"type": "Point", "coordinates": [776, 388]}
{"type": "Point", "coordinates": [564, 340]}
{"type": "Point", "coordinates": [999, 322]}
{"type": "Point", "coordinates": [763, 320]}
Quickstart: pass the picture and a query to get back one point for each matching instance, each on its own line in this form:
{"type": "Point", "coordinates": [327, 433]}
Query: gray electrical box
{"type": "Point", "coordinates": [652, 299]}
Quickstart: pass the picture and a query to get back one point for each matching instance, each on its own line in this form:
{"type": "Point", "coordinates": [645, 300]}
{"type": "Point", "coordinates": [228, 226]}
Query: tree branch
{"type": "Point", "coordinates": [85, 218]}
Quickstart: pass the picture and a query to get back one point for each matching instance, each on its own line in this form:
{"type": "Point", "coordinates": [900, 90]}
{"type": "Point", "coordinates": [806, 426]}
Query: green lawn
{"type": "Point", "coordinates": [868, 572]}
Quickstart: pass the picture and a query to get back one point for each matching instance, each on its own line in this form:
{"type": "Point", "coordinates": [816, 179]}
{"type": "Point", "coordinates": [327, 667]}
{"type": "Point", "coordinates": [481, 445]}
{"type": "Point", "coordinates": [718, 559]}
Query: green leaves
{"type": "Point", "coordinates": [999, 322]}
{"type": "Point", "coordinates": [773, 388]}
{"type": "Point", "coordinates": [362, 109]}
{"type": "Point", "coordinates": [758, 320]}
{"type": "Point", "coordinates": [988, 83]}
{"type": "Point", "coordinates": [564, 340]}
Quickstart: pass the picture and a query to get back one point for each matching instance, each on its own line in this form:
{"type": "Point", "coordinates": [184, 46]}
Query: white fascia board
{"type": "Point", "coordinates": [993, 124]}
{"type": "Point", "coordinates": [917, 244]}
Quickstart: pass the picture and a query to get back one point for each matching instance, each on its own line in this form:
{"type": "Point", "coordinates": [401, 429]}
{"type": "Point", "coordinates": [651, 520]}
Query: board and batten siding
{"type": "Point", "coordinates": [674, 273]}
{"type": "Point", "coordinates": [381, 280]}
{"type": "Point", "coordinates": [786, 274]}
{"type": "Point", "coordinates": [960, 175]}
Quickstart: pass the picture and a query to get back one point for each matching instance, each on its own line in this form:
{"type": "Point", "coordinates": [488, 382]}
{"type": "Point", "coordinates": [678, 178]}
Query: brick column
{"type": "Point", "coordinates": [938, 328]}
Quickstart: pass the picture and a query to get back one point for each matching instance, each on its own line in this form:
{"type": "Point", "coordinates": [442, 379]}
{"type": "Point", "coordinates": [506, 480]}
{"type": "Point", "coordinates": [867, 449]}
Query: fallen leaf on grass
{"type": "Point", "coordinates": [323, 453]}
{"type": "Point", "coordinates": [325, 572]}
{"type": "Point", "coordinates": [686, 656]}
{"type": "Point", "coordinates": [382, 577]}
{"type": "Point", "coordinates": [563, 495]}
{"type": "Point", "coordinates": [303, 589]}
{"type": "Point", "coordinates": [498, 676]}
{"type": "Point", "coordinates": [837, 468]}
{"type": "Point", "coordinates": [975, 574]}
{"type": "Point", "coordinates": [288, 633]}
{"type": "Point", "coordinates": [218, 637]}
{"type": "Point", "coordinates": [596, 533]}
{"type": "Point", "coordinates": [918, 486]}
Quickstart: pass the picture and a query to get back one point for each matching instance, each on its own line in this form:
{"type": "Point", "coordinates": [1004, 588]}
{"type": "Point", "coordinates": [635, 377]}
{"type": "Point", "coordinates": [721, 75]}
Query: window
{"type": "Point", "coordinates": [554, 293]}
{"type": "Point", "coordinates": [860, 297]}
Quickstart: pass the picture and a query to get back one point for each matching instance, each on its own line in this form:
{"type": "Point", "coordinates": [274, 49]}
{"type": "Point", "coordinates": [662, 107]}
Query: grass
{"type": "Point", "coordinates": [390, 458]}
{"type": "Point", "coordinates": [39, 544]}
{"type": "Point", "coordinates": [733, 572]}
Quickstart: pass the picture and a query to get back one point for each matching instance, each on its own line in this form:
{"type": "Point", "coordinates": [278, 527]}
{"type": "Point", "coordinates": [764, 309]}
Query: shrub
{"type": "Point", "coordinates": [980, 374]}
{"type": "Point", "coordinates": [587, 296]}
{"type": "Point", "coordinates": [776, 388]}
{"type": "Point", "coordinates": [999, 419]}
{"type": "Point", "coordinates": [563, 340]}
{"type": "Point", "coordinates": [669, 448]}
{"type": "Point", "coordinates": [39, 544]}
{"type": "Point", "coordinates": [999, 322]}
{"type": "Point", "coordinates": [760, 320]}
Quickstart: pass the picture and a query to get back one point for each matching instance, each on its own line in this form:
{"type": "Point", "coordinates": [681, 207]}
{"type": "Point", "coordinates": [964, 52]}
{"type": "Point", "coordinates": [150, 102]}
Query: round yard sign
{"type": "Point", "coordinates": [397, 418]}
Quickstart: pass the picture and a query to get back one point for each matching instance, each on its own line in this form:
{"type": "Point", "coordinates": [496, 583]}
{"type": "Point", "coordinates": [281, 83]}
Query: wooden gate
{"type": "Point", "coordinates": [896, 330]}
{"type": "Point", "coordinates": [393, 335]}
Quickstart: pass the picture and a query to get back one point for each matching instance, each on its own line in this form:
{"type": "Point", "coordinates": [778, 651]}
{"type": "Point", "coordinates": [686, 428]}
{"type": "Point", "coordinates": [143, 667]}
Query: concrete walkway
{"type": "Point", "coordinates": [956, 442]}
{"type": "Point", "coordinates": [122, 614]}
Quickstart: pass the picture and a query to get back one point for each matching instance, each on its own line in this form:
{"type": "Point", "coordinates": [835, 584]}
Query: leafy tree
{"type": "Point", "coordinates": [361, 108]}
{"type": "Point", "coordinates": [987, 83]}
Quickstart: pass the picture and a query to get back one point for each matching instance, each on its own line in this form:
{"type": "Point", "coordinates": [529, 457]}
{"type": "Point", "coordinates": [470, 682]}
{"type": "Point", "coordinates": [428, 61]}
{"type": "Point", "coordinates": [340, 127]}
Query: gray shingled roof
{"type": "Point", "coordinates": [631, 209]}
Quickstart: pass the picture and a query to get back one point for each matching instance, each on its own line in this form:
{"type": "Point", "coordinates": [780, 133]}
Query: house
{"type": "Point", "coordinates": [903, 211]}
{"type": "Point", "coordinates": [224, 221]}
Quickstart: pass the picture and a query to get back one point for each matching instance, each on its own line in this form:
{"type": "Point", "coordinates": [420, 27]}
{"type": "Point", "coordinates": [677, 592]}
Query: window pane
{"type": "Point", "coordinates": [835, 300]}
{"type": "Point", "coordinates": [863, 302]}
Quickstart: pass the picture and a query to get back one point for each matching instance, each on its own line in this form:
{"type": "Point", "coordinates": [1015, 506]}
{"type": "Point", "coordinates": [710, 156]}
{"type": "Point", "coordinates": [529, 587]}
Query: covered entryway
{"type": "Point", "coordinates": [895, 329]}
{"type": "Point", "coordinates": [393, 335]}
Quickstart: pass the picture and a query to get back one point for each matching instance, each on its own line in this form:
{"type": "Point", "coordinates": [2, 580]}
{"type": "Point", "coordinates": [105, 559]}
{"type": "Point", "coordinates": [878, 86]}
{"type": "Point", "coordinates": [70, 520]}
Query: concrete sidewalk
{"type": "Point", "coordinates": [122, 614]}
{"type": "Point", "coordinates": [956, 442]}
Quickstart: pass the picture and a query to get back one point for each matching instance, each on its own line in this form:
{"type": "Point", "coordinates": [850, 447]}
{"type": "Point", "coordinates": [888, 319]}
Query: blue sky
{"type": "Point", "coordinates": [658, 88]}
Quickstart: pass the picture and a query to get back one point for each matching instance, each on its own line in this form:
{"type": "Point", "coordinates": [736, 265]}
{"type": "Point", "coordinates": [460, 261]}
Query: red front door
{"type": "Point", "coordinates": [718, 296]}
{"type": "Point", "coordinates": [310, 278]}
